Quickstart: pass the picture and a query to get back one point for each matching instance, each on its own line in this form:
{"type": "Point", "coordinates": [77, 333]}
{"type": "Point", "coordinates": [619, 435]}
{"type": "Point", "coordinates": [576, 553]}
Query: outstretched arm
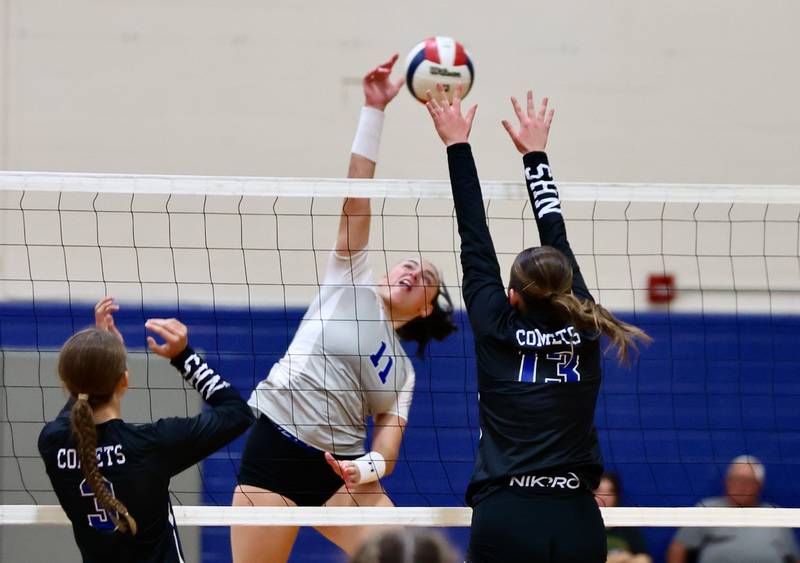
{"type": "Point", "coordinates": [484, 294]}
{"type": "Point", "coordinates": [186, 441]}
{"type": "Point", "coordinates": [379, 90]}
{"type": "Point", "coordinates": [531, 141]}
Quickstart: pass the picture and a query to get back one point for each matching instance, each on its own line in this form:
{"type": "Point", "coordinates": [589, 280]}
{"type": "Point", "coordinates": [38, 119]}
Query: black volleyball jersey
{"type": "Point", "coordinates": [137, 462]}
{"type": "Point", "coordinates": [538, 376]}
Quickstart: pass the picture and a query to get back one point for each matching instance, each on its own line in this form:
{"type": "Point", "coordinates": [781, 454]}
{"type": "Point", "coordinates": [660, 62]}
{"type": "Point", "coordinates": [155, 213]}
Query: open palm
{"type": "Point", "coordinates": [450, 124]}
{"type": "Point", "coordinates": [534, 126]}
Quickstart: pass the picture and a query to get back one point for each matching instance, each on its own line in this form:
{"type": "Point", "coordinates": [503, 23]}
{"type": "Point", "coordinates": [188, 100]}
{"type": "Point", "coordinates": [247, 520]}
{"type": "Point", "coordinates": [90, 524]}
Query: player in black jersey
{"type": "Point", "coordinates": [112, 477]}
{"type": "Point", "coordinates": [538, 357]}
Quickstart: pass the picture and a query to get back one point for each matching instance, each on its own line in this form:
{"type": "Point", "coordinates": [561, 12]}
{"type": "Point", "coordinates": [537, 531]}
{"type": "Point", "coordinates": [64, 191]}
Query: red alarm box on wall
{"type": "Point", "coordinates": [661, 288]}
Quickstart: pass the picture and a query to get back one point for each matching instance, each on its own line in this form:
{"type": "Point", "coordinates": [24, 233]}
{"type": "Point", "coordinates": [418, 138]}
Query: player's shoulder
{"type": "Point", "coordinates": [54, 434]}
{"type": "Point", "coordinates": [407, 365]}
{"type": "Point", "coordinates": [136, 438]}
{"type": "Point", "coordinates": [405, 360]}
{"type": "Point", "coordinates": [361, 303]}
{"type": "Point", "coordinates": [164, 430]}
{"type": "Point", "coordinates": [140, 432]}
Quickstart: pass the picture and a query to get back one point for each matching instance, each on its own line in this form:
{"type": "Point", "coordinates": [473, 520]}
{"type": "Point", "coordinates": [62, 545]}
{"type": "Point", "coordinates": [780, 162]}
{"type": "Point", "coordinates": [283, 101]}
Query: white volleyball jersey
{"type": "Point", "coordinates": [344, 364]}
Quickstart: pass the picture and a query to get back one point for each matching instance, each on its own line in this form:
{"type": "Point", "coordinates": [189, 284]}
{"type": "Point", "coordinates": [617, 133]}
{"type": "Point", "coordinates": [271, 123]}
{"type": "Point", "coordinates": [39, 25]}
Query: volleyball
{"type": "Point", "coordinates": [440, 60]}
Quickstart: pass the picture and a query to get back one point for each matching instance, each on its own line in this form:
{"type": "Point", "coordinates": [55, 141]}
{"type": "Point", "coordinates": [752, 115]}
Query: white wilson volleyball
{"type": "Point", "coordinates": [440, 60]}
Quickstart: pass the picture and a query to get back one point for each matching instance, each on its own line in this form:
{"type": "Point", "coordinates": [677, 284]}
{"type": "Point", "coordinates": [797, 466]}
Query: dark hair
{"type": "Point", "coordinates": [542, 276]}
{"type": "Point", "coordinates": [438, 325]}
{"type": "Point", "coordinates": [403, 545]}
{"type": "Point", "coordinates": [90, 365]}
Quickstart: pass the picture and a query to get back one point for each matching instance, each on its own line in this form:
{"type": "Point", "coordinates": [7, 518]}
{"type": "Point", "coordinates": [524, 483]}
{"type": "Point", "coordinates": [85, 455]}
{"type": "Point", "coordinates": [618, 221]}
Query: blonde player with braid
{"type": "Point", "coordinates": [112, 477]}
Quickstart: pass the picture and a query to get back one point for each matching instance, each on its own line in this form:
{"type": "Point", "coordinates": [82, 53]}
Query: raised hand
{"type": "Point", "coordinates": [345, 469]}
{"type": "Point", "coordinates": [378, 89]}
{"type": "Point", "coordinates": [534, 126]}
{"type": "Point", "coordinates": [174, 334]}
{"type": "Point", "coordinates": [450, 124]}
{"type": "Point", "coordinates": [104, 316]}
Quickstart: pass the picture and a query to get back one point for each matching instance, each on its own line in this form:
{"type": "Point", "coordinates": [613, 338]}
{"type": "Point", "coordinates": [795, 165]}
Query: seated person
{"type": "Point", "coordinates": [405, 545]}
{"type": "Point", "coordinates": [625, 545]}
{"type": "Point", "coordinates": [743, 485]}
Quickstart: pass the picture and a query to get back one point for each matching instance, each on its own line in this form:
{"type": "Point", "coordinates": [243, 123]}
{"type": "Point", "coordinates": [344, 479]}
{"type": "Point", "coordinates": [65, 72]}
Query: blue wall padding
{"type": "Point", "coordinates": [710, 387]}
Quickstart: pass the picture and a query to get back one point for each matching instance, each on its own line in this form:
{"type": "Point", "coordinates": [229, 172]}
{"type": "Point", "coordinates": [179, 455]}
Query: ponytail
{"type": "Point", "coordinates": [542, 276]}
{"type": "Point", "coordinates": [588, 315]}
{"type": "Point", "coordinates": [82, 426]}
{"type": "Point", "coordinates": [436, 326]}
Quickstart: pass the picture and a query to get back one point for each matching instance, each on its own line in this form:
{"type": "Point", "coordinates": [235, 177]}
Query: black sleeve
{"type": "Point", "coordinates": [484, 294]}
{"type": "Point", "coordinates": [185, 441]}
{"type": "Point", "coordinates": [546, 205]}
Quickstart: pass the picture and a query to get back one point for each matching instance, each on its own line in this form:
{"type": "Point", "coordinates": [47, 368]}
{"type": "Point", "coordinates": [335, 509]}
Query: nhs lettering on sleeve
{"type": "Point", "coordinates": [543, 190]}
{"type": "Point", "coordinates": [537, 339]}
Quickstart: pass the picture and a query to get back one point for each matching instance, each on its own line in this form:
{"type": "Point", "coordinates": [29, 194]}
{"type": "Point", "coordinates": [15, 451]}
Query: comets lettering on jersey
{"type": "Point", "coordinates": [68, 458]}
{"type": "Point", "coordinates": [536, 338]}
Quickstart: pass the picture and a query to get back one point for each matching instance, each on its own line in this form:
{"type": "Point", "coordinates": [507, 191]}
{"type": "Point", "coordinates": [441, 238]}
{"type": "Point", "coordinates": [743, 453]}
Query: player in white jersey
{"type": "Point", "coordinates": [344, 365]}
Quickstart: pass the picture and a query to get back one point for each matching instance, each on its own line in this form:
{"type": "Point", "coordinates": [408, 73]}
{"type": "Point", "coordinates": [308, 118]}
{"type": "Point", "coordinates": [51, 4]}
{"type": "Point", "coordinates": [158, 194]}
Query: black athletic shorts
{"type": "Point", "coordinates": [519, 526]}
{"type": "Point", "coordinates": [276, 461]}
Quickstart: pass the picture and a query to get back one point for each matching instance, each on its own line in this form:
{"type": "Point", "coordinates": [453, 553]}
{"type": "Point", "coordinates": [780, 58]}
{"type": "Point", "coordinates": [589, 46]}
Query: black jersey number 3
{"type": "Point", "coordinates": [99, 519]}
{"type": "Point", "coordinates": [549, 367]}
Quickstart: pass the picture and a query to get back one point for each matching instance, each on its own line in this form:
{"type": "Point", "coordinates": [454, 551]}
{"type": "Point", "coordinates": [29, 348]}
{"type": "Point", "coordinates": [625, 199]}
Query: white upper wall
{"type": "Point", "coordinates": [681, 91]}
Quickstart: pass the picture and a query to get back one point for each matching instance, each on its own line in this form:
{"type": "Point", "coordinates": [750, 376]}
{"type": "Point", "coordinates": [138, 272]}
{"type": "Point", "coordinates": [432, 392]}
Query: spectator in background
{"type": "Point", "coordinates": [625, 545]}
{"type": "Point", "coordinates": [409, 545]}
{"type": "Point", "coordinates": [743, 485]}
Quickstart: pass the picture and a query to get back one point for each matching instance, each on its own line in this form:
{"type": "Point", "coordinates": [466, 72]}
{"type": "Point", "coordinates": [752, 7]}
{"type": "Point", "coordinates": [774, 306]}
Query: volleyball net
{"type": "Point", "coordinates": [712, 272]}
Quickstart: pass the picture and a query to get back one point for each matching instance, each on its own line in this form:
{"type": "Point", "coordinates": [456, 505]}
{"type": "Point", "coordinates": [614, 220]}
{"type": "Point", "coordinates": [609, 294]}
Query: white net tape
{"type": "Point", "coordinates": [423, 516]}
{"type": "Point", "coordinates": [335, 187]}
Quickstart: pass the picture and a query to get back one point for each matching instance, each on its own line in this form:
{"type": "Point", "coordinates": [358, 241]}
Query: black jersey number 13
{"type": "Point", "coordinates": [549, 367]}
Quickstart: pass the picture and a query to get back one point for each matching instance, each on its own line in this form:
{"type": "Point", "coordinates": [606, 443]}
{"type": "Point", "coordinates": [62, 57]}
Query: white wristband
{"type": "Point", "coordinates": [368, 133]}
{"type": "Point", "coordinates": [371, 467]}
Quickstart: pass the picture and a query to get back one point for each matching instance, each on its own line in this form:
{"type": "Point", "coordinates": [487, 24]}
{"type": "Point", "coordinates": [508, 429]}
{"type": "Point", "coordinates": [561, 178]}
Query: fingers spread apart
{"type": "Point", "coordinates": [518, 110]}
{"type": "Point", "coordinates": [433, 106]}
{"type": "Point", "coordinates": [530, 104]}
